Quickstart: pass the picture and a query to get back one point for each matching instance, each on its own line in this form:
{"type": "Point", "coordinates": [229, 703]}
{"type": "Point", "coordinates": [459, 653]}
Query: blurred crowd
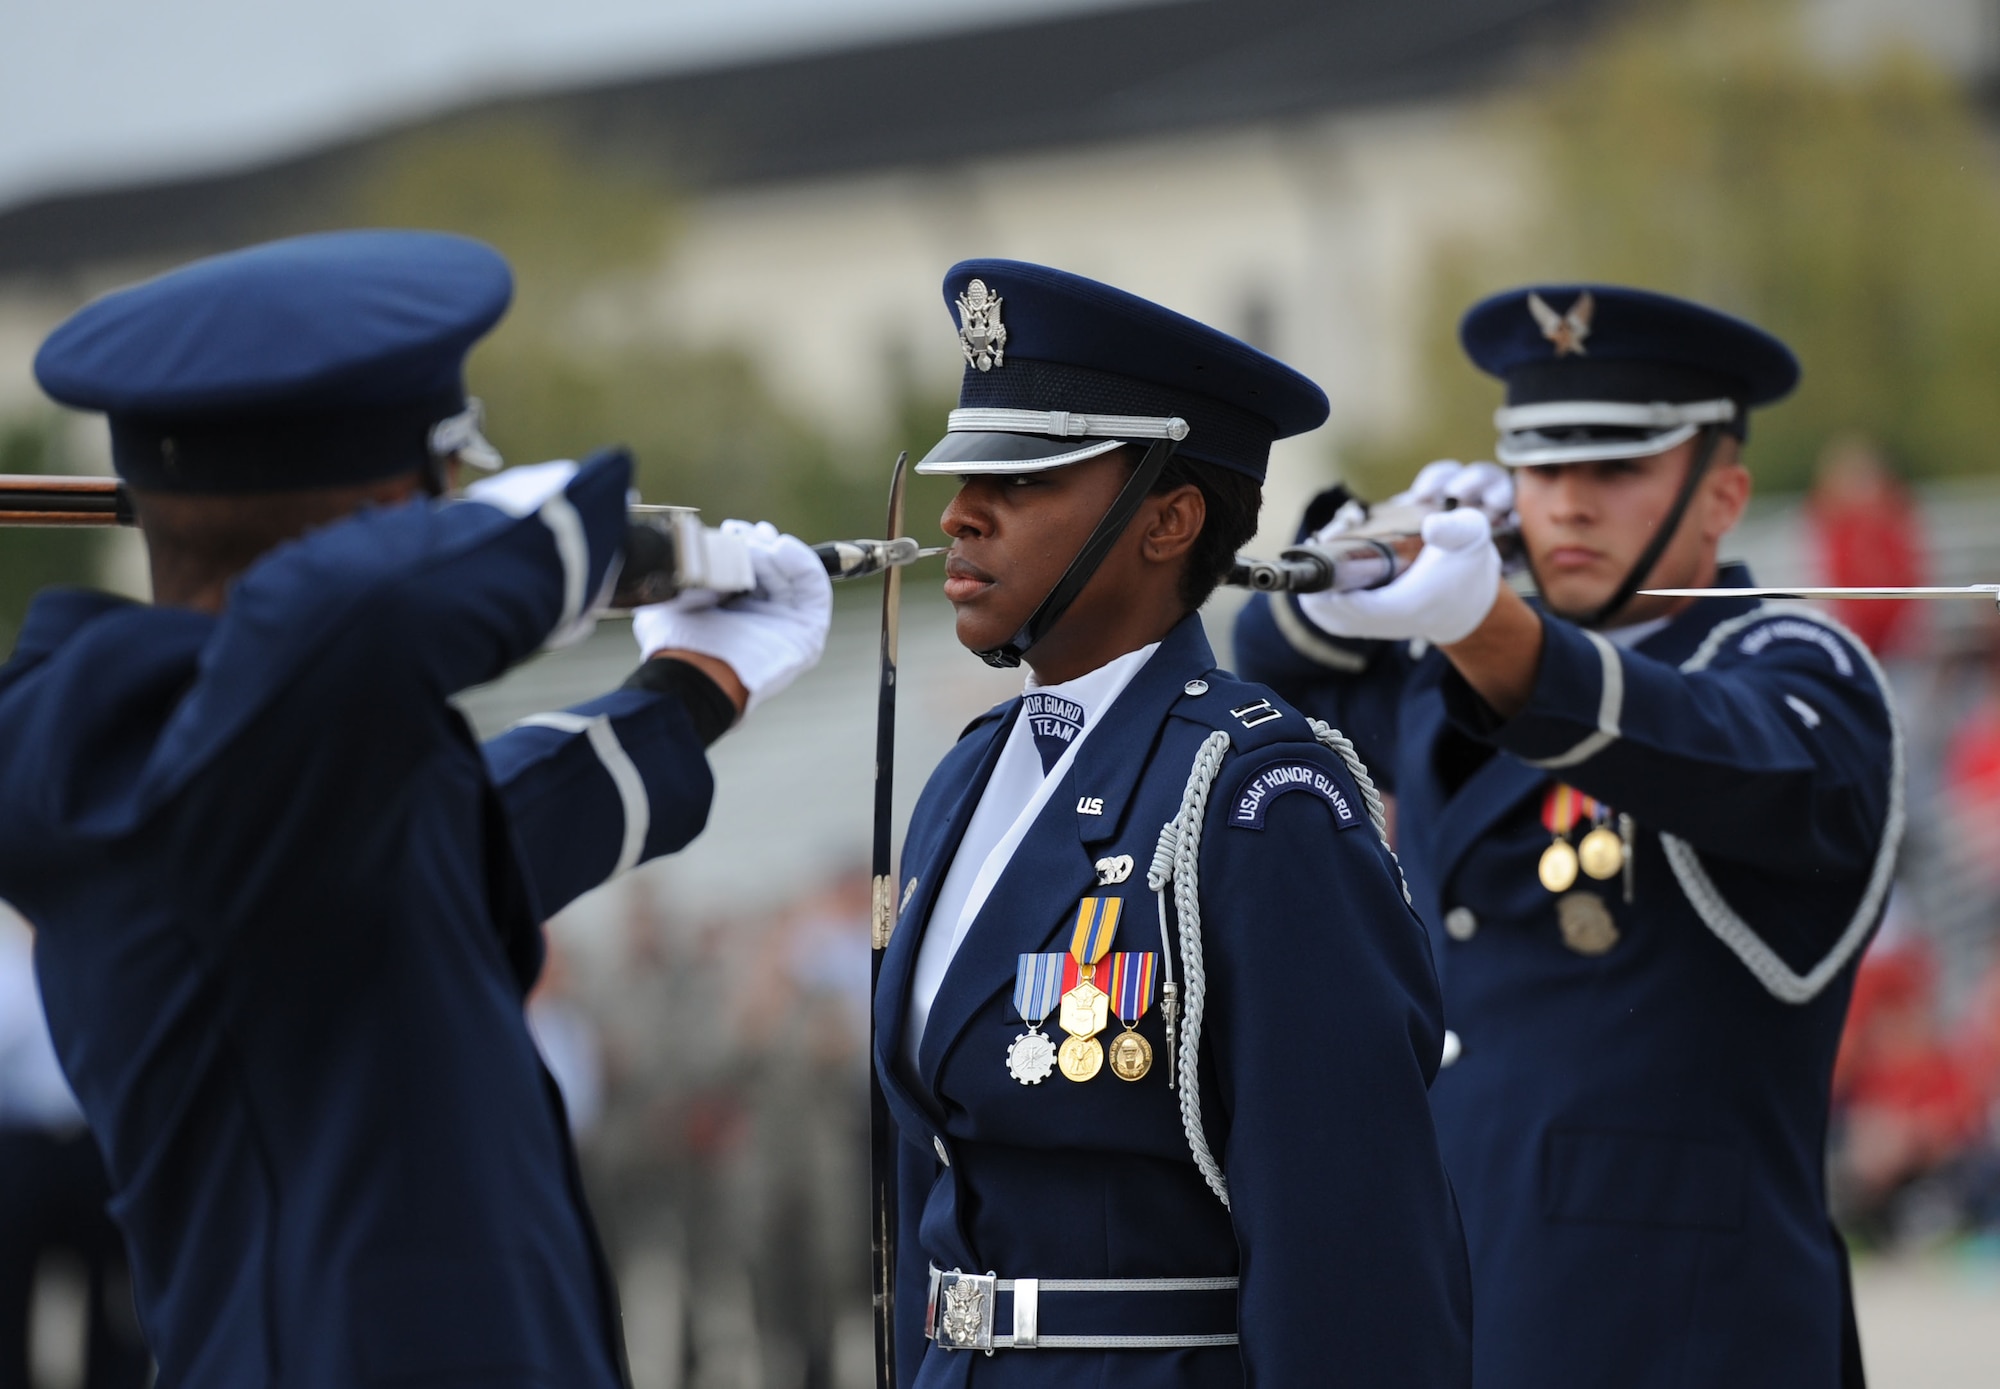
{"type": "Point", "coordinates": [714, 1070]}
{"type": "Point", "coordinates": [1914, 1153]}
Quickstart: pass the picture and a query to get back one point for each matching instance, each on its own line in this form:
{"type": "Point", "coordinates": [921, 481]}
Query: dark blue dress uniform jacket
{"type": "Point", "coordinates": [1322, 1032]}
{"type": "Point", "coordinates": [1637, 1138]}
{"type": "Point", "coordinates": [288, 908]}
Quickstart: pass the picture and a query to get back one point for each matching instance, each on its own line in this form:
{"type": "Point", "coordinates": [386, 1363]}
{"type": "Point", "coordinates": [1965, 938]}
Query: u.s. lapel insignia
{"type": "Point", "coordinates": [1567, 330]}
{"type": "Point", "coordinates": [909, 891]}
{"type": "Point", "coordinates": [980, 331]}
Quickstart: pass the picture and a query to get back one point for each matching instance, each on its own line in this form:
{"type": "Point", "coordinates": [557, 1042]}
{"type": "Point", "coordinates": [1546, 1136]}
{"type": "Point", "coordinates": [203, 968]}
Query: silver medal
{"type": "Point", "coordinates": [1031, 1057]}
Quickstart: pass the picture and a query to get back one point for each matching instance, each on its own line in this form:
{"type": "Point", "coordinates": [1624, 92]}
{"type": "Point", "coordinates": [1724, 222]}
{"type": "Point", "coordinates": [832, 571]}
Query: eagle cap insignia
{"type": "Point", "coordinates": [1568, 330]}
{"type": "Point", "coordinates": [980, 331]}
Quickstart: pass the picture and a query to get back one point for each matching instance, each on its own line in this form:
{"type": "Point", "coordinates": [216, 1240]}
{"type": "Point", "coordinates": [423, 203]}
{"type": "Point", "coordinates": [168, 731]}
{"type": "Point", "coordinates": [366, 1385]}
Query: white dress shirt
{"type": "Point", "coordinates": [1008, 808]}
{"type": "Point", "coordinates": [33, 1092]}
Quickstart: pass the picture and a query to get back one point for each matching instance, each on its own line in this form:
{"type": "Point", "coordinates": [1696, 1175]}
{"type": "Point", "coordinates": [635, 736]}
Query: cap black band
{"type": "Point", "coordinates": [1217, 433]}
{"type": "Point", "coordinates": [278, 452]}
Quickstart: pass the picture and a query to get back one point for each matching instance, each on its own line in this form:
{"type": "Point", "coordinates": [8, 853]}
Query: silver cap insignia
{"type": "Point", "coordinates": [979, 329]}
{"type": "Point", "coordinates": [1566, 331]}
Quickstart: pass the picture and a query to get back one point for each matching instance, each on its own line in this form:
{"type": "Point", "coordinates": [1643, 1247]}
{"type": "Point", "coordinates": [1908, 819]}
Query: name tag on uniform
{"type": "Point", "coordinates": [1283, 778]}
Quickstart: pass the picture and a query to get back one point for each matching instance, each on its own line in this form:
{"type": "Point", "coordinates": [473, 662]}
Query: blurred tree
{"type": "Point", "coordinates": [31, 560]}
{"type": "Point", "coordinates": [1700, 148]}
{"type": "Point", "coordinates": [580, 361]}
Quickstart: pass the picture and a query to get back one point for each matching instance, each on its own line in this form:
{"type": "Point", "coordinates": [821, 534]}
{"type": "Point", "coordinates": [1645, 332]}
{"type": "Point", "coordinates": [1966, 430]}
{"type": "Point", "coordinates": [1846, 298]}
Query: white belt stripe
{"type": "Point", "coordinates": [624, 775]}
{"type": "Point", "coordinates": [1189, 1342]}
{"type": "Point", "coordinates": [1610, 709]}
{"type": "Point", "coordinates": [573, 549]}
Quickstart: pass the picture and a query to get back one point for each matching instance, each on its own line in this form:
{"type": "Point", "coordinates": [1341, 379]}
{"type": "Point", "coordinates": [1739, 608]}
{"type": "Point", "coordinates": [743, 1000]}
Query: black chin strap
{"type": "Point", "coordinates": [1123, 508]}
{"type": "Point", "coordinates": [1711, 439]}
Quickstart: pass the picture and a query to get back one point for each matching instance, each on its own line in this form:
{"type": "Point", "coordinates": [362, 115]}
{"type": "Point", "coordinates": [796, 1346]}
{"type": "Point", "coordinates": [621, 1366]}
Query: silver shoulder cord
{"type": "Point", "coordinates": [1177, 861]}
{"type": "Point", "coordinates": [1779, 979]}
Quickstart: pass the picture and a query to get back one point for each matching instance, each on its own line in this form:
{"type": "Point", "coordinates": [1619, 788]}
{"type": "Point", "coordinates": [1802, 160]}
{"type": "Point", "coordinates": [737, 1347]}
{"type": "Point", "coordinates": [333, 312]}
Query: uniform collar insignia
{"type": "Point", "coordinates": [979, 329]}
{"type": "Point", "coordinates": [1566, 331]}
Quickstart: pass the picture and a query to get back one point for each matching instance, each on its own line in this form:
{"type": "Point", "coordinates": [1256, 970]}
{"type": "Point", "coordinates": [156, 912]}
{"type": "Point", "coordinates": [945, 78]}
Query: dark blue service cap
{"type": "Point", "coordinates": [1601, 371]}
{"type": "Point", "coordinates": [310, 362]}
{"type": "Point", "coordinates": [1059, 368]}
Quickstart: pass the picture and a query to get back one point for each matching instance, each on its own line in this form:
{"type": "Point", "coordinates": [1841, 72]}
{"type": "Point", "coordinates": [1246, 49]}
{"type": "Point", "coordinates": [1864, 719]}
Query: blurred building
{"type": "Point", "coordinates": [1286, 169]}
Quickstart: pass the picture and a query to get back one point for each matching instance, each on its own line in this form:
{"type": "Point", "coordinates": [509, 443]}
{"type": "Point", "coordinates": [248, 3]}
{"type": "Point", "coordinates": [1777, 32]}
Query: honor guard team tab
{"type": "Point", "coordinates": [1157, 1024]}
{"type": "Point", "coordinates": [287, 906]}
{"type": "Point", "coordinates": [1650, 838]}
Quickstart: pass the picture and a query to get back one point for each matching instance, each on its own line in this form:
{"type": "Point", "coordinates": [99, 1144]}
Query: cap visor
{"type": "Point", "coordinates": [1009, 453]}
{"type": "Point", "coordinates": [1532, 449]}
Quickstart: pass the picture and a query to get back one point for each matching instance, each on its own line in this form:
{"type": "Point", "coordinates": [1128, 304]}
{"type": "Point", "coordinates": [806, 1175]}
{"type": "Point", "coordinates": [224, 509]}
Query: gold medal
{"type": "Point", "coordinates": [1131, 1056]}
{"type": "Point", "coordinates": [1080, 1058]}
{"type": "Point", "coordinates": [1602, 854]}
{"type": "Point", "coordinates": [1587, 927]}
{"type": "Point", "coordinates": [1558, 866]}
{"type": "Point", "coordinates": [1086, 1010]}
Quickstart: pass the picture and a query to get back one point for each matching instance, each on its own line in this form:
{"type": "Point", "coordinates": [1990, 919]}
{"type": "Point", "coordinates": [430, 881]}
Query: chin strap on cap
{"type": "Point", "coordinates": [1711, 439]}
{"type": "Point", "coordinates": [1123, 508]}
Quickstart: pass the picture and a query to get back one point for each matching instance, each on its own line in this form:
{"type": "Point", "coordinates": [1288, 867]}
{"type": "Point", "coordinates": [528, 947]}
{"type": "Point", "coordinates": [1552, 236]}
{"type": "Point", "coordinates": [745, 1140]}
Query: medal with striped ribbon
{"type": "Point", "coordinates": [1131, 1055]}
{"type": "Point", "coordinates": [1086, 1007]}
{"type": "Point", "coordinates": [1037, 982]}
{"type": "Point", "coordinates": [1603, 852]}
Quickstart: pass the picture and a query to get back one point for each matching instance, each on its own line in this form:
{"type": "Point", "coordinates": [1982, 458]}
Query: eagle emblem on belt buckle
{"type": "Point", "coordinates": [980, 331]}
{"type": "Point", "coordinates": [965, 1321]}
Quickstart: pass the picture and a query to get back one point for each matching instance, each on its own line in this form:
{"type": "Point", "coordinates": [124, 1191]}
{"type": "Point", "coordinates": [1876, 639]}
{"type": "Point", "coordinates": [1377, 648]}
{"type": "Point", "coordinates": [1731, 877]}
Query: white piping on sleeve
{"type": "Point", "coordinates": [1305, 639]}
{"type": "Point", "coordinates": [631, 786]}
{"type": "Point", "coordinates": [1610, 710]}
{"type": "Point", "coordinates": [573, 549]}
{"type": "Point", "coordinates": [1779, 979]}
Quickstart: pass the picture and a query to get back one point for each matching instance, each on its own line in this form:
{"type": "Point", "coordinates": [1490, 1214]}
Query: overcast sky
{"type": "Point", "coordinates": [94, 92]}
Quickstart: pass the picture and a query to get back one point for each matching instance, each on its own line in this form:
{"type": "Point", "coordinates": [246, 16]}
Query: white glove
{"type": "Point", "coordinates": [769, 637]}
{"type": "Point", "coordinates": [1487, 486]}
{"type": "Point", "coordinates": [1441, 597]}
{"type": "Point", "coordinates": [518, 491]}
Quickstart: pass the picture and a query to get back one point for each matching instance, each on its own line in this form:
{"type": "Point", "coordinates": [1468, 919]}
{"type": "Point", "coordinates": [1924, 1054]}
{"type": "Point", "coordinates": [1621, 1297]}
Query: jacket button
{"type": "Point", "coordinates": [1461, 924]}
{"type": "Point", "coordinates": [943, 1156]}
{"type": "Point", "coordinates": [1453, 1049]}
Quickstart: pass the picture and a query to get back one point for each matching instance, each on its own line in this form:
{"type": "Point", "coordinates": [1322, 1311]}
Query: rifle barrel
{"type": "Point", "coordinates": [33, 500]}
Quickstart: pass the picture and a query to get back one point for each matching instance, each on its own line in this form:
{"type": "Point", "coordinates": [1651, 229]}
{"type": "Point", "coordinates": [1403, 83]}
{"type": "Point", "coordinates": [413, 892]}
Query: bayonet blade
{"type": "Point", "coordinates": [1990, 592]}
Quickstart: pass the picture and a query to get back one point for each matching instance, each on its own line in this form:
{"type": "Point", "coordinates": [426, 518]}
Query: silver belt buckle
{"type": "Point", "coordinates": [961, 1311]}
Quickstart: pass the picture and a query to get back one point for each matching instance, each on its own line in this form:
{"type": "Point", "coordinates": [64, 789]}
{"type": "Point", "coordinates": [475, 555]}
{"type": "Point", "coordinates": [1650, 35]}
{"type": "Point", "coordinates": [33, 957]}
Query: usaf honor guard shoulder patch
{"type": "Point", "coordinates": [1283, 777]}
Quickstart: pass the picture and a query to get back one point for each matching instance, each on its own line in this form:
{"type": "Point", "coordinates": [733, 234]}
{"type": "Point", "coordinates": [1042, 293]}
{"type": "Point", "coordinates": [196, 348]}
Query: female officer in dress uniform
{"type": "Point", "coordinates": [1158, 1024]}
{"type": "Point", "coordinates": [1650, 837]}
